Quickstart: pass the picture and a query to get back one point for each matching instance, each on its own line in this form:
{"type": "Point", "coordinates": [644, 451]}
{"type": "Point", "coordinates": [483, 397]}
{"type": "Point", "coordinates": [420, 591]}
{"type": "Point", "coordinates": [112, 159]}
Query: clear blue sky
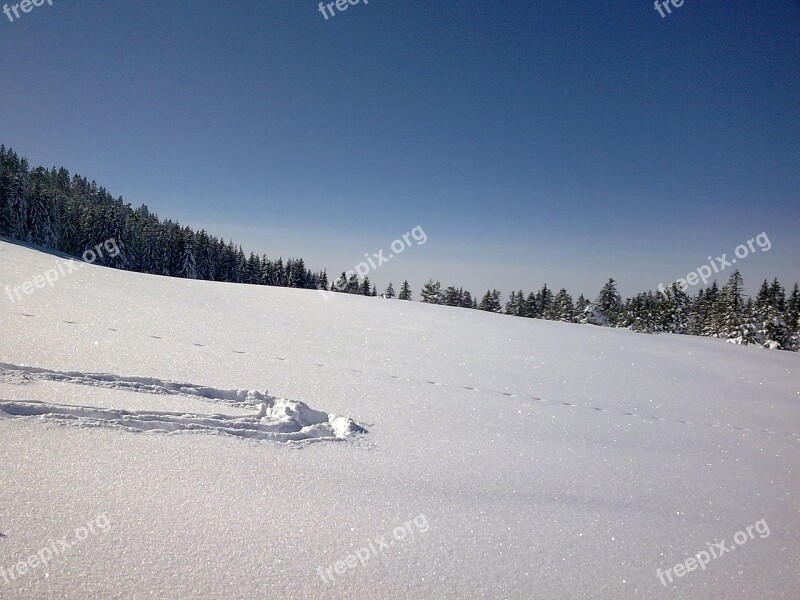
{"type": "Point", "coordinates": [558, 142]}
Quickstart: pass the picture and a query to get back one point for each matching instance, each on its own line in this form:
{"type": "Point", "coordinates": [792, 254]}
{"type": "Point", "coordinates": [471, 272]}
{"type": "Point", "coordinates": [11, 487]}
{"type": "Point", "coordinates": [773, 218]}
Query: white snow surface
{"type": "Point", "coordinates": [547, 460]}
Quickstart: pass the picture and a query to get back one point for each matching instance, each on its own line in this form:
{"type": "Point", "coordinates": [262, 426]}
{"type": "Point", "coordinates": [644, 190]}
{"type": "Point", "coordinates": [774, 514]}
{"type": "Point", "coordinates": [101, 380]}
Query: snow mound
{"type": "Point", "coordinates": [267, 427]}
{"type": "Point", "coordinates": [277, 419]}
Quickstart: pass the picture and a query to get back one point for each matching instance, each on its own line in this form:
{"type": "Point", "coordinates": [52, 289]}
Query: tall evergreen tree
{"type": "Point", "coordinates": [609, 301]}
{"type": "Point", "coordinates": [405, 291]}
{"type": "Point", "coordinates": [431, 292]}
{"type": "Point", "coordinates": [730, 306]}
{"type": "Point", "coordinates": [466, 300]}
{"type": "Point", "coordinates": [340, 285]}
{"type": "Point", "coordinates": [513, 305]}
{"type": "Point", "coordinates": [563, 307]}
{"type": "Point", "coordinates": [451, 296]}
{"type": "Point", "coordinates": [544, 303]}
{"type": "Point", "coordinates": [793, 310]}
{"type": "Point", "coordinates": [491, 302]}
{"type": "Point", "coordinates": [581, 304]}
{"type": "Point", "coordinates": [365, 288]}
{"type": "Point", "coordinates": [529, 307]}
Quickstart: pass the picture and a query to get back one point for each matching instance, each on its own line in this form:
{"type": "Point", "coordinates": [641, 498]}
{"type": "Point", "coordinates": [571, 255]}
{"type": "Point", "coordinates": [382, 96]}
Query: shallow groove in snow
{"type": "Point", "coordinates": [276, 419]}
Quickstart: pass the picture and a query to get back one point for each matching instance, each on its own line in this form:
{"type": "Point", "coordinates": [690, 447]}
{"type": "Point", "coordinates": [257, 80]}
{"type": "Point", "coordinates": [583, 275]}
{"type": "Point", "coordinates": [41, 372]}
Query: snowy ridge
{"type": "Point", "coordinates": [277, 419]}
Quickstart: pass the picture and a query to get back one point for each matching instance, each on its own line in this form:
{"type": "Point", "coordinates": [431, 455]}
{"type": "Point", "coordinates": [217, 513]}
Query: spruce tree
{"type": "Point", "coordinates": [466, 300]}
{"type": "Point", "coordinates": [491, 302]}
{"type": "Point", "coordinates": [353, 286]}
{"type": "Point", "coordinates": [405, 291]}
{"type": "Point", "coordinates": [512, 306]}
{"type": "Point", "coordinates": [365, 289]}
{"type": "Point", "coordinates": [544, 303]}
{"type": "Point", "coordinates": [431, 292]}
{"type": "Point", "coordinates": [793, 310]}
{"type": "Point", "coordinates": [581, 304]}
{"type": "Point", "coordinates": [563, 307]}
{"type": "Point", "coordinates": [730, 307]}
{"type": "Point", "coordinates": [771, 311]}
{"type": "Point", "coordinates": [529, 306]}
{"type": "Point", "coordinates": [609, 302]}
{"type": "Point", "coordinates": [452, 296]}
{"type": "Point", "coordinates": [340, 285]}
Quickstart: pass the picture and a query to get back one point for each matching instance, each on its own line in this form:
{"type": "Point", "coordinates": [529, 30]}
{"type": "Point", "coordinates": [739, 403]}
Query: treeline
{"type": "Point", "coordinates": [770, 319]}
{"type": "Point", "coordinates": [49, 208]}
{"type": "Point", "coordinates": [70, 214]}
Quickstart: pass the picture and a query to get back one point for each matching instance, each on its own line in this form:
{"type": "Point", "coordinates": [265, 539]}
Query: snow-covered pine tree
{"type": "Point", "coordinates": [793, 310]}
{"type": "Point", "coordinates": [431, 292]}
{"type": "Point", "coordinates": [253, 269]}
{"type": "Point", "coordinates": [6, 177]}
{"type": "Point", "coordinates": [466, 300]}
{"type": "Point", "coordinates": [513, 305]}
{"type": "Point", "coordinates": [42, 219]}
{"type": "Point", "coordinates": [451, 296]}
{"type": "Point", "coordinates": [365, 289]}
{"type": "Point", "coordinates": [18, 199]}
{"type": "Point", "coordinates": [773, 331]}
{"type": "Point", "coordinates": [389, 292]}
{"type": "Point", "coordinates": [563, 307]}
{"type": "Point", "coordinates": [296, 273]}
{"type": "Point", "coordinates": [609, 302]}
{"type": "Point", "coordinates": [240, 266]}
{"type": "Point", "coordinates": [405, 291]}
{"type": "Point", "coordinates": [353, 286]}
{"type": "Point", "coordinates": [340, 284]}
{"type": "Point", "coordinates": [545, 299]}
{"type": "Point", "coordinates": [730, 307]}
{"type": "Point", "coordinates": [496, 296]}
{"type": "Point", "coordinates": [580, 305]}
{"type": "Point", "coordinates": [638, 314]}
{"type": "Point", "coordinates": [529, 306]}
{"type": "Point", "coordinates": [486, 301]}
{"type": "Point", "coordinates": [491, 302]}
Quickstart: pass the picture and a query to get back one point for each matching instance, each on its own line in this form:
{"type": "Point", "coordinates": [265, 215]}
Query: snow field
{"type": "Point", "coordinates": [549, 460]}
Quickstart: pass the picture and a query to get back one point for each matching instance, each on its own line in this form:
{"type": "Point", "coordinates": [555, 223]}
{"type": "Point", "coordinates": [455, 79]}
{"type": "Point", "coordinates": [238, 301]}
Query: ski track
{"type": "Point", "coordinates": [160, 387]}
{"type": "Point", "coordinates": [277, 419]}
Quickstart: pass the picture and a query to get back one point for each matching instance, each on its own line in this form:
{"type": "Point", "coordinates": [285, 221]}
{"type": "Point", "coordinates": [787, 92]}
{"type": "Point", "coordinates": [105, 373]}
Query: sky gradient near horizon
{"type": "Point", "coordinates": [532, 141]}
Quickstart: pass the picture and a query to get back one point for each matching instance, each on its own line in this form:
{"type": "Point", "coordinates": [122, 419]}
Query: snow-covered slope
{"type": "Point", "coordinates": [164, 438]}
